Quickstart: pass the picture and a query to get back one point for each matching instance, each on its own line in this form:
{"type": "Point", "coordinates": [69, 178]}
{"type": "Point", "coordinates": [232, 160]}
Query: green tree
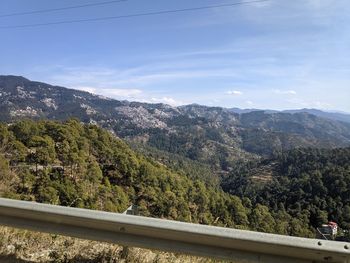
{"type": "Point", "coordinates": [42, 150]}
{"type": "Point", "coordinates": [261, 219]}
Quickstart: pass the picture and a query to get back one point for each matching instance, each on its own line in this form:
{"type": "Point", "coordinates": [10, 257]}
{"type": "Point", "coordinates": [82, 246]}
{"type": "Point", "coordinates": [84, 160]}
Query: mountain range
{"type": "Point", "coordinates": [333, 115]}
{"type": "Point", "coordinates": [212, 135]}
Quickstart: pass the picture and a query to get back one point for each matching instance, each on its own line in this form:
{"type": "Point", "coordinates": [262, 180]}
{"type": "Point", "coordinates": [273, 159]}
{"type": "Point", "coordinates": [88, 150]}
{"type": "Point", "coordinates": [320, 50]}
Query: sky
{"type": "Point", "coordinates": [278, 54]}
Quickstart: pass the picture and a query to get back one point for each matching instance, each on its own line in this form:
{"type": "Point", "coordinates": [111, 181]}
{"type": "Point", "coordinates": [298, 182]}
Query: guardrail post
{"type": "Point", "coordinates": [131, 210]}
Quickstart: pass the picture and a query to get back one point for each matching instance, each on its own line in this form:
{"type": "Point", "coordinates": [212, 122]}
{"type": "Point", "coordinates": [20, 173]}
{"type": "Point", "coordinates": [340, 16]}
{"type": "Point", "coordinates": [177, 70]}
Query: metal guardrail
{"type": "Point", "coordinates": [158, 234]}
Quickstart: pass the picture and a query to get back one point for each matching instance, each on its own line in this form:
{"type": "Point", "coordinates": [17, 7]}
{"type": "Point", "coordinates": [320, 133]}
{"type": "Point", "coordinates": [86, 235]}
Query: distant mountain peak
{"type": "Point", "coordinates": [14, 79]}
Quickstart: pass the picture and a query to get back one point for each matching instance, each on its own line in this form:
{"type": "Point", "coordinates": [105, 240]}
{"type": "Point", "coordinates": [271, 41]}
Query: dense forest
{"type": "Point", "coordinates": [78, 165]}
{"type": "Point", "coordinates": [303, 183]}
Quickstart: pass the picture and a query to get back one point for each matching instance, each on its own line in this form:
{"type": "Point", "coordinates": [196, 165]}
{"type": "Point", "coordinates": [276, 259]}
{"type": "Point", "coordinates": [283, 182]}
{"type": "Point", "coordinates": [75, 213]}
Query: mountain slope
{"type": "Point", "coordinates": [71, 164]}
{"type": "Point", "coordinates": [312, 182]}
{"type": "Point", "coordinates": [329, 115]}
{"type": "Point", "coordinates": [211, 135]}
{"type": "Point", "coordinates": [283, 131]}
{"type": "Point", "coordinates": [78, 165]}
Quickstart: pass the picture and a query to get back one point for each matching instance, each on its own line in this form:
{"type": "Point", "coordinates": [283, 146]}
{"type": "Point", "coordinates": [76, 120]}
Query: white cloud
{"type": "Point", "coordinates": [300, 103]}
{"type": "Point", "coordinates": [285, 92]}
{"type": "Point", "coordinates": [130, 94]}
{"type": "Point", "coordinates": [110, 92]}
{"type": "Point", "coordinates": [166, 100]}
{"type": "Point", "coordinates": [140, 76]}
{"type": "Point", "coordinates": [145, 78]}
{"type": "Point", "coordinates": [122, 92]}
{"type": "Point", "coordinates": [87, 89]}
{"type": "Point", "coordinates": [234, 92]}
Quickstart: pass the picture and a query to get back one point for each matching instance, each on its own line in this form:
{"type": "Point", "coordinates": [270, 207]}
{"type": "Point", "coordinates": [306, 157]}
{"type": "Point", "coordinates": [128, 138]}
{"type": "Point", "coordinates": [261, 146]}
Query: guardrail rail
{"type": "Point", "coordinates": [200, 240]}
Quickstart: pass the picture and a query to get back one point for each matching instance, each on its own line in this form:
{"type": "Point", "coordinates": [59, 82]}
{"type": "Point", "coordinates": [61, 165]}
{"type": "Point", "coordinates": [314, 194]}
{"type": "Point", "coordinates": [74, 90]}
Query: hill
{"type": "Point", "coordinates": [211, 135]}
{"type": "Point", "coordinates": [79, 165]}
{"type": "Point", "coordinates": [332, 115]}
{"type": "Point", "coordinates": [314, 183]}
{"type": "Point", "coordinates": [338, 116]}
{"type": "Point", "coordinates": [71, 164]}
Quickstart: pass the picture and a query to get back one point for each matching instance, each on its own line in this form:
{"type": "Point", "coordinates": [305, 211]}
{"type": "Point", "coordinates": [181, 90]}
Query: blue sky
{"type": "Point", "coordinates": [278, 54]}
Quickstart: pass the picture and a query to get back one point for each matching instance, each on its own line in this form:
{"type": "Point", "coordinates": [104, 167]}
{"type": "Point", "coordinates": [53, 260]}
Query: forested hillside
{"type": "Point", "coordinates": [79, 165]}
{"type": "Point", "coordinates": [310, 183]}
{"type": "Point", "coordinates": [82, 165]}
